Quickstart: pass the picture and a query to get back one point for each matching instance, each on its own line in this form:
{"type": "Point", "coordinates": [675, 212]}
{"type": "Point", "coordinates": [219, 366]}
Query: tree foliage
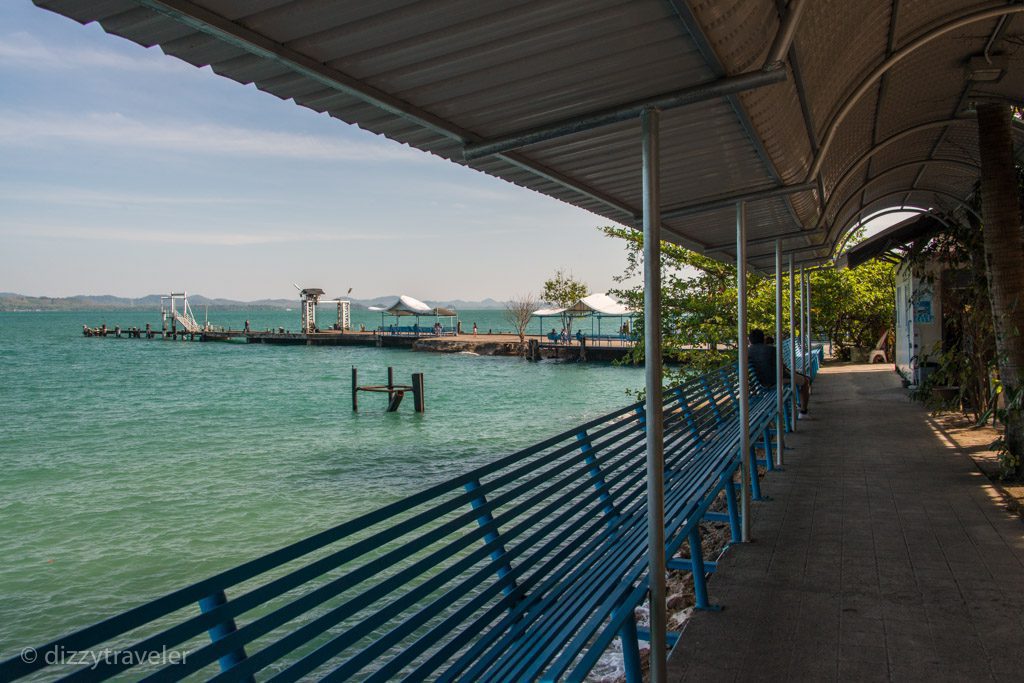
{"type": "Point", "coordinates": [562, 291]}
{"type": "Point", "coordinates": [699, 313]}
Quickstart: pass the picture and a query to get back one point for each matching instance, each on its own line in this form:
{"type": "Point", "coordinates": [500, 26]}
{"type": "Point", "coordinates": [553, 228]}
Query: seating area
{"type": "Point", "coordinates": [526, 568]}
{"type": "Point", "coordinates": [618, 338]}
{"type": "Point", "coordinates": [814, 359]}
{"type": "Point", "coordinates": [416, 331]}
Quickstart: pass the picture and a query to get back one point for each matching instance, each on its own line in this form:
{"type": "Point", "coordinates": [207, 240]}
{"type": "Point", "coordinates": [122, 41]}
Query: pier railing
{"type": "Point", "coordinates": [525, 568]}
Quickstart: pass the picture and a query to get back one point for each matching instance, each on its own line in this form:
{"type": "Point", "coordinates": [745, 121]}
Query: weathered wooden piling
{"type": "Point", "coordinates": [355, 389]}
{"type": "Point", "coordinates": [395, 392]}
{"type": "Point", "coordinates": [418, 397]}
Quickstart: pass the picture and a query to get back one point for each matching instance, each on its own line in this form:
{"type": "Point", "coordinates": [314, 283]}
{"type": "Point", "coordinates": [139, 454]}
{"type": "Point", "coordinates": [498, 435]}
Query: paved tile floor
{"type": "Point", "coordinates": [883, 555]}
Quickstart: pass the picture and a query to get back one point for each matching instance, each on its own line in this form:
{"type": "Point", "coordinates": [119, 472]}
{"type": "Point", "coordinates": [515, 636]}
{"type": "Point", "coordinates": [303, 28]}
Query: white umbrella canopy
{"type": "Point", "coordinates": [599, 303]}
{"type": "Point", "coordinates": [407, 305]}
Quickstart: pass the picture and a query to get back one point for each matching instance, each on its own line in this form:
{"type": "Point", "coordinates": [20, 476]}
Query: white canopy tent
{"type": "Point", "coordinates": [409, 306]}
{"type": "Point", "coordinates": [595, 306]}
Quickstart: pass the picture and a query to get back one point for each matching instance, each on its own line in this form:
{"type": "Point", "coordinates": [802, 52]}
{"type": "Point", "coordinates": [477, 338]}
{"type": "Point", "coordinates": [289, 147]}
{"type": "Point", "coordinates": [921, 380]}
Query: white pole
{"type": "Point", "coordinates": [803, 322]}
{"type": "Point", "coordinates": [653, 414]}
{"type": "Point", "coordinates": [744, 366]}
{"type": "Point", "coordinates": [780, 421]}
{"type": "Point", "coordinates": [792, 339]}
{"type": "Point", "coordinates": [810, 329]}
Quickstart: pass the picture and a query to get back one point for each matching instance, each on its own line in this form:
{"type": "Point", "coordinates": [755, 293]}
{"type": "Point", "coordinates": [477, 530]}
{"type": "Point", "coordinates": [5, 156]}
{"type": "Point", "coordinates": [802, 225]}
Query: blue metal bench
{"type": "Point", "coordinates": [414, 330]}
{"type": "Point", "coordinates": [524, 569]}
{"type": "Point", "coordinates": [597, 338]}
{"type": "Point", "coordinates": [814, 359]}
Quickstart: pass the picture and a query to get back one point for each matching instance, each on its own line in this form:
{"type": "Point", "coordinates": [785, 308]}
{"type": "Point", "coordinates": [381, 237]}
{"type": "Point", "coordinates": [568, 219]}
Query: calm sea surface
{"type": "Point", "coordinates": [129, 468]}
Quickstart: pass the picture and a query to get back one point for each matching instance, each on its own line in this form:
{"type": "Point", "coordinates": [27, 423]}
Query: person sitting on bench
{"type": "Point", "coordinates": [762, 358]}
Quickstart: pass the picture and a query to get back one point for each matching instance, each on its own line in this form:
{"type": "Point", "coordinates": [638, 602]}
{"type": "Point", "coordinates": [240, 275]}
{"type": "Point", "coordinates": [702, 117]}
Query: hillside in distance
{"type": "Point", "coordinates": [10, 301]}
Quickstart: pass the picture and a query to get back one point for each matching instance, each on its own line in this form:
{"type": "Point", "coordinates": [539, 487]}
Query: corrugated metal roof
{"type": "Point", "coordinates": [437, 74]}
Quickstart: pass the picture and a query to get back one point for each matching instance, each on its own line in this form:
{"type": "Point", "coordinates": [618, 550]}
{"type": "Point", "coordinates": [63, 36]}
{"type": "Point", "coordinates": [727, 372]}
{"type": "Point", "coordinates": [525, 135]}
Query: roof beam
{"type": "Point", "coordinates": [884, 144]}
{"type": "Point", "coordinates": [721, 201]}
{"type": "Point", "coordinates": [896, 57]}
{"type": "Point", "coordinates": [898, 167]}
{"type": "Point", "coordinates": [784, 37]}
{"type": "Point", "coordinates": [834, 247]}
{"type": "Point", "coordinates": [624, 112]}
{"type": "Point", "coordinates": [232, 33]}
{"type": "Point", "coordinates": [212, 24]}
{"type": "Point", "coordinates": [695, 32]}
{"type": "Point", "coordinates": [941, 193]}
{"type": "Point", "coordinates": [795, 234]}
{"type": "Point", "coordinates": [998, 31]}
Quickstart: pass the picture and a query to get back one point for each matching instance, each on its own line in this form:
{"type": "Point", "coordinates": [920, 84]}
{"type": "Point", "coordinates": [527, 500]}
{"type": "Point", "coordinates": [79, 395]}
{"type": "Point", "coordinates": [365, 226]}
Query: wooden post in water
{"type": "Point", "coordinates": [355, 390]}
{"type": "Point", "coordinates": [395, 400]}
{"type": "Point", "coordinates": [418, 399]}
{"type": "Point", "coordinates": [391, 379]}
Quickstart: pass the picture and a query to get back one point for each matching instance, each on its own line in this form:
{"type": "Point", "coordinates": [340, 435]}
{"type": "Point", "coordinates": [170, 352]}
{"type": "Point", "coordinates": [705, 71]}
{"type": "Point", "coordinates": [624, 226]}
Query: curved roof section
{"type": "Point", "coordinates": [407, 305]}
{"type": "Point", "coordinates": [872, 109]}
{"type": "Point", "coordinates": [599, 303]}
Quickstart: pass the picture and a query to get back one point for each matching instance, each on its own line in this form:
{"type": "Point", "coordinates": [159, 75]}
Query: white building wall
{"type": "Point", "coordinates": [918, 318]}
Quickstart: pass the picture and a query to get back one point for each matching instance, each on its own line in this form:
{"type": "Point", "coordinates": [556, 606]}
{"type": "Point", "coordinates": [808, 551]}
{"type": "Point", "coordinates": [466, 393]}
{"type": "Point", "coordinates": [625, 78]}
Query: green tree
{"type": "Point", "coordinates": [854, 307]}
{"type": "Point", "coordinates": [562, 291]}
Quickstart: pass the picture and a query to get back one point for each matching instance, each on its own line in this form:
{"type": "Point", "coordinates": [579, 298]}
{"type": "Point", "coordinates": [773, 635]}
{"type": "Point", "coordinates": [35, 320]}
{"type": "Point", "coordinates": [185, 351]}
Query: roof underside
{"type": "Point", "coordinates": [440, 74]}
{"type": "Point", "coordinates": [894, 237]}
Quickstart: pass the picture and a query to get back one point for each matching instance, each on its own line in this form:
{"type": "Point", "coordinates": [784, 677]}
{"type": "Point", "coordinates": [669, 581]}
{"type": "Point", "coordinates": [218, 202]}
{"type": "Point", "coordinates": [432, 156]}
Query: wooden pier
{"type": "Point", "coordinates": [538, 348]}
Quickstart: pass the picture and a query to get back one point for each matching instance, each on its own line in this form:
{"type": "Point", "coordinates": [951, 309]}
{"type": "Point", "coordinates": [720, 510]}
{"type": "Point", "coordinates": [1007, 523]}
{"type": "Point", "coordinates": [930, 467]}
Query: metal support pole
{"type": "Point", "coordinates": [780, 409]}
{"type": "Point", "coordinates": [743, 374]}
{"type": "Point", "coordinates": [810, 328]}
{"type": "Point", "coordinates": [653, 375]}
{"type": "Point", "coordinates": [803, 323]}
{"type": "Point", "coordinates": [223, 630]}
{"type": "Point", "coordinates": [792, 343]}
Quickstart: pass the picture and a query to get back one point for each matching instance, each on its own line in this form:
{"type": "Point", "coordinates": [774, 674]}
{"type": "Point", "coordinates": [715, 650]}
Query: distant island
{"type": "Point", "coordinates": [10, 302]}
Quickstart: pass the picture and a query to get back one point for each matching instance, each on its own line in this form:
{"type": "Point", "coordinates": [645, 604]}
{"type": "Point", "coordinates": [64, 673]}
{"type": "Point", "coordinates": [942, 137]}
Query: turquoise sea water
{"type": "Point", "coordinates": [132, 467]}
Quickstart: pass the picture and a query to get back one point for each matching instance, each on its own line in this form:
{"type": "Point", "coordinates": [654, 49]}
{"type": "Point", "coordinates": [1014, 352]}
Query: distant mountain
{"type": "Point", "coordinates": [458, 304]}
{"type": "Point", "coordinates": [10, 301]}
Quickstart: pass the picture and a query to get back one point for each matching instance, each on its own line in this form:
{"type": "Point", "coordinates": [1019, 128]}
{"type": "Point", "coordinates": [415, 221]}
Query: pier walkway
{"type": "Point", "coordinates": [884, 555]}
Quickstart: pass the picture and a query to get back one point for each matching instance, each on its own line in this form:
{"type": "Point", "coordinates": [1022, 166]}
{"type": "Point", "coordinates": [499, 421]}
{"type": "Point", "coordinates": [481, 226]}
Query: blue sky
{"type": "Point", "coordinates": [124, 171]}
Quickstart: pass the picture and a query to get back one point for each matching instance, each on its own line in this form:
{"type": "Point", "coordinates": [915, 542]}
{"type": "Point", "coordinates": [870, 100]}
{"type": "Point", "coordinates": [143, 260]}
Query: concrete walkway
{"type": "Point", "coordinates": [884, 554]}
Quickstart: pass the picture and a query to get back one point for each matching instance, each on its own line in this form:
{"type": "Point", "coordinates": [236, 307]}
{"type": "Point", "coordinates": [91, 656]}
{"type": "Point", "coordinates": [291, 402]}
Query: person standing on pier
{"type": "Point", "coordinates": [474, 329]}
